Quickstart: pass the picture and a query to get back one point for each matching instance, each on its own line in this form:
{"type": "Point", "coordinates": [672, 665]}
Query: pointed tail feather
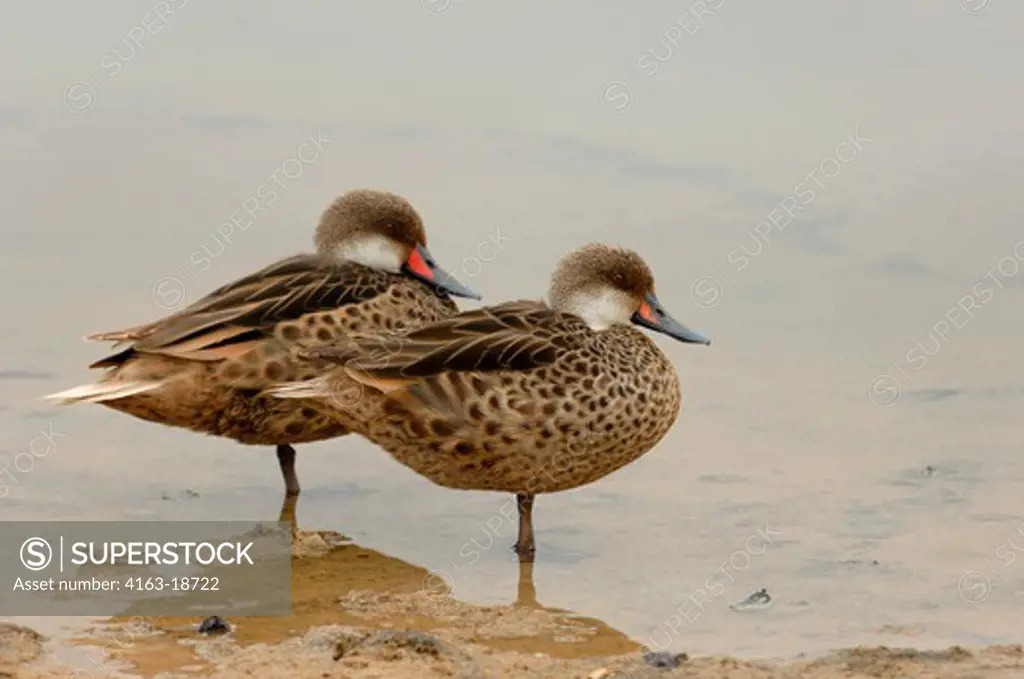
{"type": "Point", "coordinates": [97, 393]}
{"type": "Point", "coordinates": [119, 337]}
{"type": "Point", "coordinates": [309, 389]}
{"type": "Point", "coordinates": [343, 388]}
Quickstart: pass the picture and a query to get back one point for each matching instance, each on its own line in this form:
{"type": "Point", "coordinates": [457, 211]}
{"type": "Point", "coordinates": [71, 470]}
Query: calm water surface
{"type": "Point", "coordinates": [832, 193]}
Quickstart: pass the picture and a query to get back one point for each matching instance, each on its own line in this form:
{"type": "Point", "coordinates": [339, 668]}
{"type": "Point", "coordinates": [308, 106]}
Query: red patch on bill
{"type": "Point", "coordinates": [419, 266]}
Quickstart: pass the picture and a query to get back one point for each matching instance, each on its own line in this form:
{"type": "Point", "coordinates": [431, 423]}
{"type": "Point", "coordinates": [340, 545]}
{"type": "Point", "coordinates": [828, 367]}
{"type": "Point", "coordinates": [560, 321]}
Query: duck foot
{"type": "Point", "coordinates": [286, 458]}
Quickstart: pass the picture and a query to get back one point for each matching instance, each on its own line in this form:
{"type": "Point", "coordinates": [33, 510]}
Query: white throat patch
{"type": "Point", "coordinates": [601, 309]}
{"type": "Point", "coordinates": [374, 251]}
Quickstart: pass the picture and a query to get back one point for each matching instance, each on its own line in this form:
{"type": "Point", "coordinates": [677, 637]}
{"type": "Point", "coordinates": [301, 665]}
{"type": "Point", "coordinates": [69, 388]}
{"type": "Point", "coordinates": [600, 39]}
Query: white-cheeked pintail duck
{"type": "Point", "coordinates": [522, 397]}
{"type": "Point", "coordinates": [206, 367]}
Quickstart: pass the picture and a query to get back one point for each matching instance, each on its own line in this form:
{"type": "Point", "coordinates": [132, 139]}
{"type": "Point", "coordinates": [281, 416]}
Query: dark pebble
{"type": "Point", "coordinates": [761, 596]}
{"type": "Point", "coordinates": [664, 659]}
{"type": "Point", "coordinates": [214, 625]}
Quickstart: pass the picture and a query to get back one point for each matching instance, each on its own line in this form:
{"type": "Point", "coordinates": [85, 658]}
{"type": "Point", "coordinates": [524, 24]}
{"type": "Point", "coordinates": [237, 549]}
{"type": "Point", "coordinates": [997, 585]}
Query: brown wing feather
{"type": "Point", "coordinates": [282, 267]}
{"type": "Point", "coordinates": [445, 366]}
{"type": "Point", "coordinates": [511, 336]}
{"type": "Point", "coordinates": [221, 324]}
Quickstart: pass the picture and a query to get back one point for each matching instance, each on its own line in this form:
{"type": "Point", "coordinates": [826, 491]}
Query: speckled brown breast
{"type": "Point", "coordinates": [605, 401]}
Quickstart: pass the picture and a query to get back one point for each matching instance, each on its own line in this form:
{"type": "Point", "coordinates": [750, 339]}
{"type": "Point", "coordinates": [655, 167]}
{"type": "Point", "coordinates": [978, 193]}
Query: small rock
{"type": "Point", "coordinates": [326, 638]}
{"type": "Point", "coordinates": [214, 625]}
{"type": "Point", "coordinates": [757, 601]}
{"type": "Point", "coordinates": [418, 642]}
{"type": "Point", "coordinates": [664, 659]}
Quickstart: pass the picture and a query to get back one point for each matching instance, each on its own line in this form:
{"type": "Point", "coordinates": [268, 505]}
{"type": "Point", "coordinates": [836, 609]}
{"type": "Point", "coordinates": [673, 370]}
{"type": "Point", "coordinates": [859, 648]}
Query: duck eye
{"type": "Point", "coordinates": [619, 279]}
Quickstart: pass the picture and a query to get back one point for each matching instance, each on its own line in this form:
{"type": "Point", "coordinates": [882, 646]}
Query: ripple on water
{"type": "Point", "coordinates": [723, 478]}
{"type": "Point", "coordinates": [24, 375]}
{"type": "Point", "coordinates": [931, 395]}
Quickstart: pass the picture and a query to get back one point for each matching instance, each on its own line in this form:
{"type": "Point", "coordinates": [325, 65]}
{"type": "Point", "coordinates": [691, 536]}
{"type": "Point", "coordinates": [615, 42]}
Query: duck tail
{"type": "Point", "coordinates": [103, 391]}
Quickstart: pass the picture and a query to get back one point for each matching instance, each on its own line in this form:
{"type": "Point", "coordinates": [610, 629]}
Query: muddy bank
{"type": "Point", "coordinates": [360, 614]}
{"type": "Point", "coordinates": [365, 652]}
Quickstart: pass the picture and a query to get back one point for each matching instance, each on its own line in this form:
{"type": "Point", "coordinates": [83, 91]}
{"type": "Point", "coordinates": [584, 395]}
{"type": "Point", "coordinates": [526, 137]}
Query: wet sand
{"type": "Point", "coordinates": [359, 613]}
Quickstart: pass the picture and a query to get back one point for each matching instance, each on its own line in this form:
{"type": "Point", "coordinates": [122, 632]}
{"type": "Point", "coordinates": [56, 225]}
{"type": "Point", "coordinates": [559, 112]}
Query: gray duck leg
{"type": "Point", "coordinates": [286, 458]}
{"type": "Point", "coordinates": [525, 546]}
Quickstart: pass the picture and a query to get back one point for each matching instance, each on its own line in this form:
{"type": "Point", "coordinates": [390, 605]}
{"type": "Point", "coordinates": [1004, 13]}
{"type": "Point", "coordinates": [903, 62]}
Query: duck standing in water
{"type": "Point", "coordinates": [206, 367]}
{"type": "Point", "coordinates": [522, 397]}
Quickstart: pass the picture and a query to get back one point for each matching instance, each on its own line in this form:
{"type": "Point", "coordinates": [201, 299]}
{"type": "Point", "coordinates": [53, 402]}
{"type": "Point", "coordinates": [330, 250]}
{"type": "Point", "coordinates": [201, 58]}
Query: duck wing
{"type": "Point", "coordinates": [443, 369]}
{"type": "Point", "coordinates": [226, 322]}
{"type": "Point", "coordinates": [517, 336]}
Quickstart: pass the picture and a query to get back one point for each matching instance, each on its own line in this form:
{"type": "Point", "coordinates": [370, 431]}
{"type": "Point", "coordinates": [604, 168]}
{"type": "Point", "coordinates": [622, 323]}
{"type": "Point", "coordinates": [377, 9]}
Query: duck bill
{"type": "Point", "coordinates": [421, 265]}
{"type": "Point", "coordinates": [652, 315]}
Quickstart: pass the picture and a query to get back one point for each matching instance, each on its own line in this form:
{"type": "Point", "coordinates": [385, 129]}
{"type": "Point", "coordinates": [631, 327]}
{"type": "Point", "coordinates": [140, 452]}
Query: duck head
{"type": "Point", "coordinates": [383, 231]}
{"type": "Point", "coordinates": [607, 286]}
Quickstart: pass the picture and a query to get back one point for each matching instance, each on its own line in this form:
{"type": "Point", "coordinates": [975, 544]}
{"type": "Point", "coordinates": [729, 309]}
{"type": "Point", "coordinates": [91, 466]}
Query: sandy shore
{"type": "Point", "coordinates": [360, 614]}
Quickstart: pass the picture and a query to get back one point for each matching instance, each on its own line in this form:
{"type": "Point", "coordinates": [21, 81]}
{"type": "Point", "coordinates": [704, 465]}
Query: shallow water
{"type": "Point", "coordinates": [850, 441]}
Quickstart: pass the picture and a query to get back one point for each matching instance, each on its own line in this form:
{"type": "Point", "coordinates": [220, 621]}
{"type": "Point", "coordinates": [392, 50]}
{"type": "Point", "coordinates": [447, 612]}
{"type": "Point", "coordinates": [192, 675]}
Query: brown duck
{"type": "Point", "coordinates": [521, 397]}
{"type": "Point", "coordinates": [204, 368]}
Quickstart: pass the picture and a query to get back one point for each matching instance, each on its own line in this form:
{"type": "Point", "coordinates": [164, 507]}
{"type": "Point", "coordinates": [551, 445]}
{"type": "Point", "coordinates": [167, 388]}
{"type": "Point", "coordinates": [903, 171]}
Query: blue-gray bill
{"type": "Point", "coordinates": [652, 315]}
{"type": "Point", "coordinates": [421, 265]}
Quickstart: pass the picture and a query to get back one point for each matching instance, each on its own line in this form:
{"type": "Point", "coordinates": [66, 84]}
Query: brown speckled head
{"type": "Point", "coordinates": [382, 231]}
{"type": "Point", "coordinates": [607, 286]}
{"type": "Point", "coordinates": [371, 227]}
{"type": "Point", "coordinates": [602, 284]}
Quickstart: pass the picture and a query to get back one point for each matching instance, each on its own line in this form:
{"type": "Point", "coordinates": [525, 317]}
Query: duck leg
{"type": "Point", "coordinates": [525, 546]}
{"type": "Point", "coordinates": [286, 458]}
